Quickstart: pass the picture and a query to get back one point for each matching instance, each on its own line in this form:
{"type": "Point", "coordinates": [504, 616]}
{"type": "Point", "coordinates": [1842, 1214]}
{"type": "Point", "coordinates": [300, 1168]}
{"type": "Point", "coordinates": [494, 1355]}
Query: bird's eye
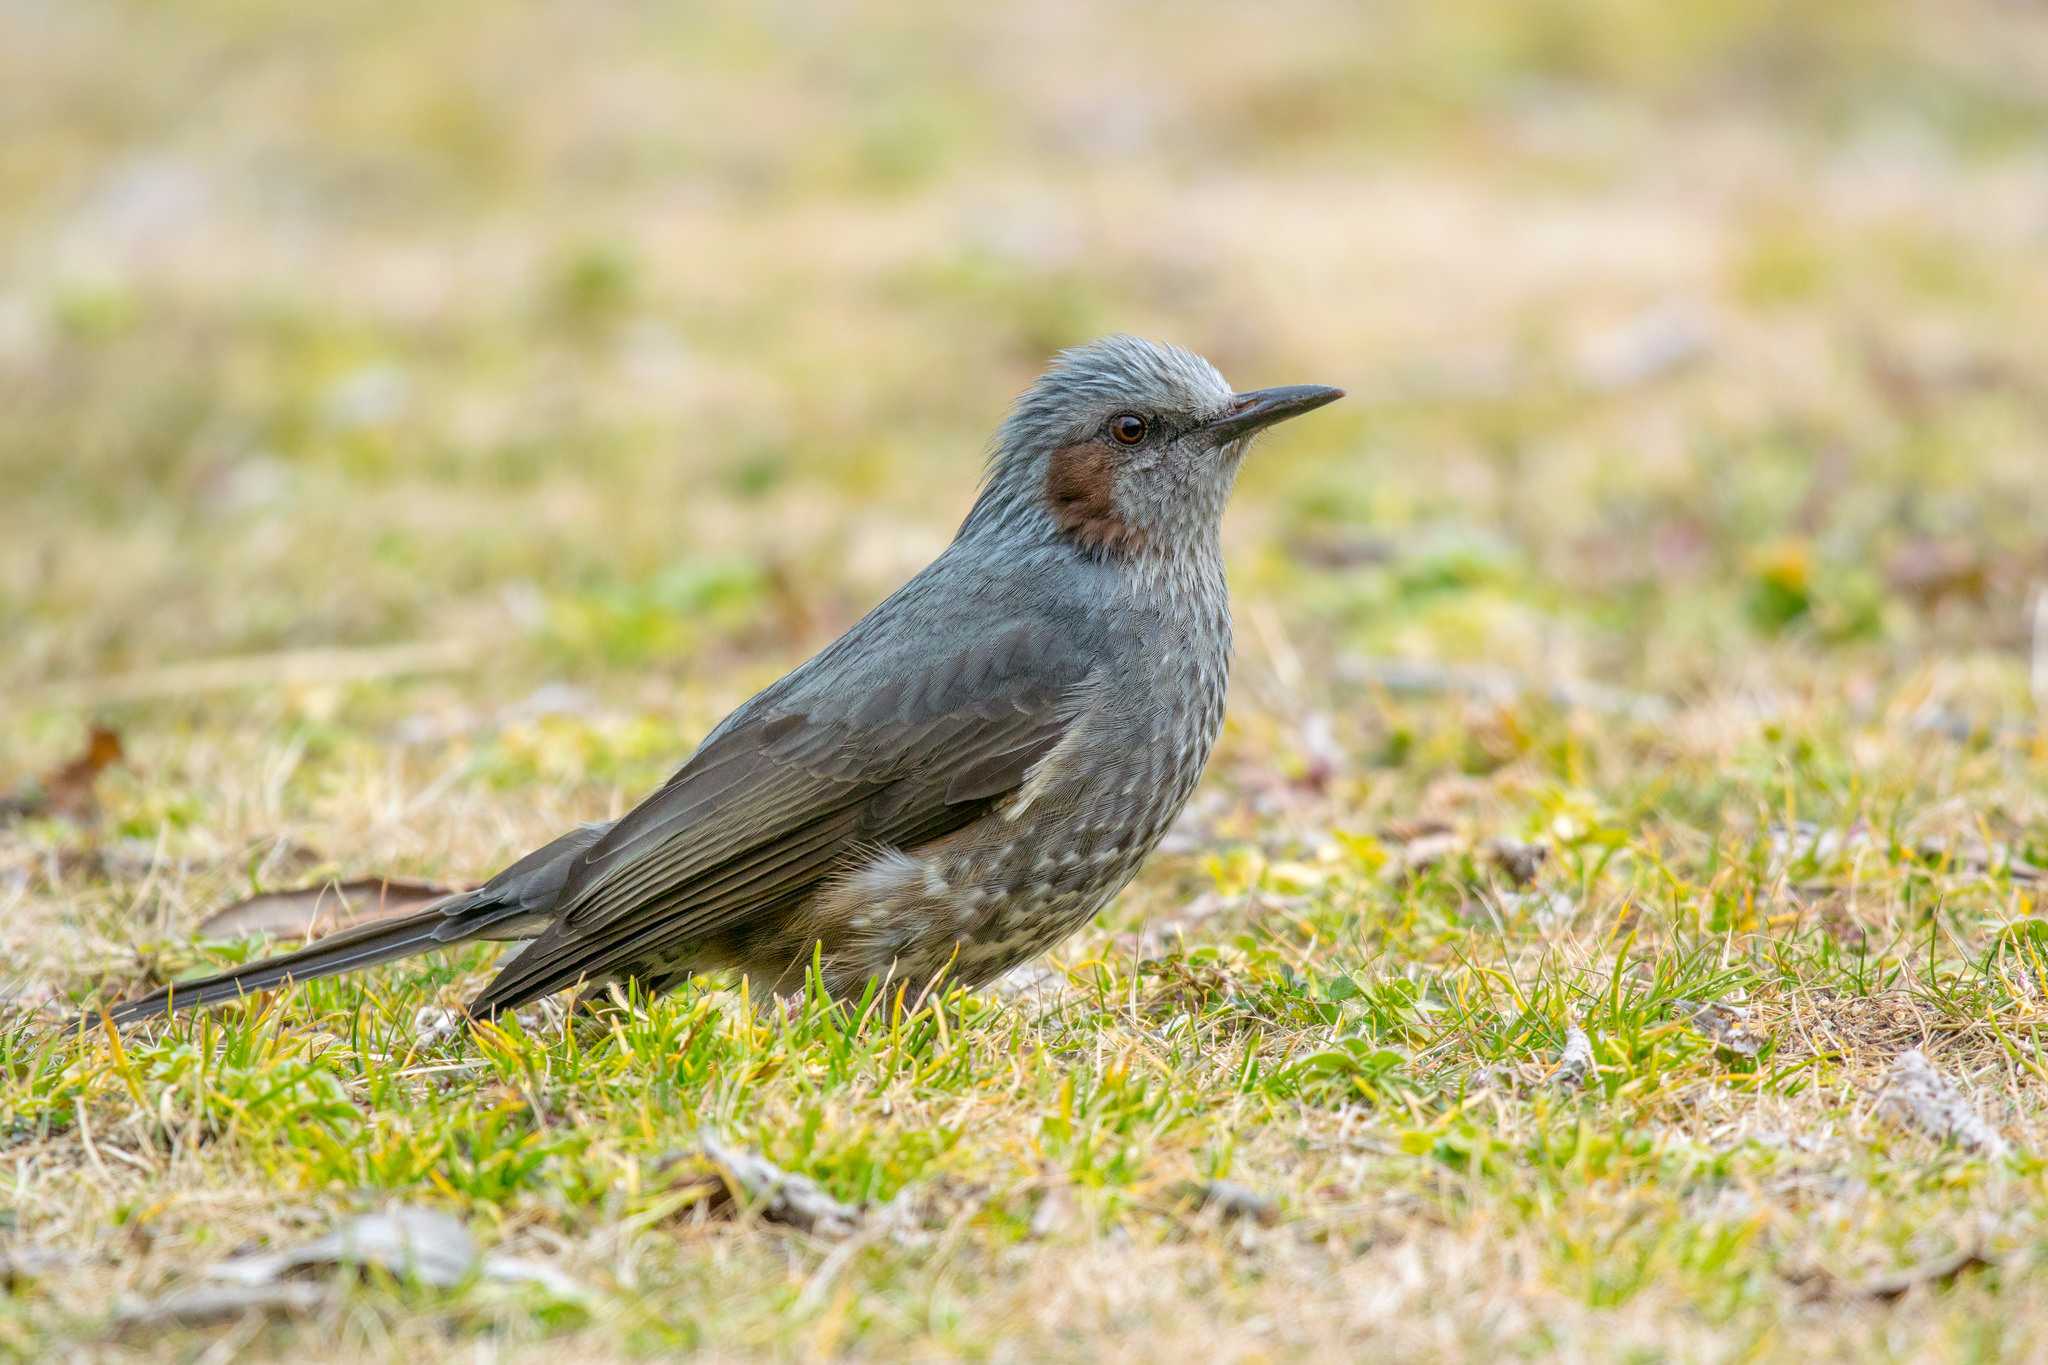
{"type": "Point", "coordinates": [1127, 427]}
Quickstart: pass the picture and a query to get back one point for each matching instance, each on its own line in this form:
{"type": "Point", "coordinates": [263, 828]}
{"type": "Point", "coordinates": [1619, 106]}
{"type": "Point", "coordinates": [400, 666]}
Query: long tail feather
{"type": "Point", "coordinates": [362, 946]}
{"type": "Point", "coordinates": [514, 904]}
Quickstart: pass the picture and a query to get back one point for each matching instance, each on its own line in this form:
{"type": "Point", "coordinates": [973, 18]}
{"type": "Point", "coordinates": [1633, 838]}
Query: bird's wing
{"type": "Point", "coordinates": [776, 800]}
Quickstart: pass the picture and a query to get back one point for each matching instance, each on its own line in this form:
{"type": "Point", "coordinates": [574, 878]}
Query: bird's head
{"type": "Point", "coordinates": [1125, 447]}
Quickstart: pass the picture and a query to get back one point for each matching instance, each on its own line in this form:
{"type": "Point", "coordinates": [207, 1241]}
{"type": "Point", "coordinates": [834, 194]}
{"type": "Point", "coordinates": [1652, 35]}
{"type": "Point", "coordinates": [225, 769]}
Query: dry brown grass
{"type": "Point", "coordinates": [367, 371]}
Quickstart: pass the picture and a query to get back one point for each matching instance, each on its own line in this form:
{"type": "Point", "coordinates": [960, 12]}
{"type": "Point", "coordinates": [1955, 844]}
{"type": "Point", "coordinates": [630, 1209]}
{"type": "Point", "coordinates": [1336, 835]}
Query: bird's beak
{"type": "Point", "coordinates": [1261, 408]}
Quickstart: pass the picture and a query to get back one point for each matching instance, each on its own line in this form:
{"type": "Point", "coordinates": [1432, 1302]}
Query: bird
{"type": "Point", "coordinates": [953, 786]}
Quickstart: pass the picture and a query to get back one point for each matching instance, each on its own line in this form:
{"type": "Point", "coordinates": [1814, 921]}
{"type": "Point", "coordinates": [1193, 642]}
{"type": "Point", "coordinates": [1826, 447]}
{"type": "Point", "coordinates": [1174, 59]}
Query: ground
{"type": "Point", "coordinates": [422, 422]}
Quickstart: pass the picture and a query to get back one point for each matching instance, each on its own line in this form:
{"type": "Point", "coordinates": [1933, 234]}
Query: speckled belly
{"type": "Point", "coordinates": [998, 892]}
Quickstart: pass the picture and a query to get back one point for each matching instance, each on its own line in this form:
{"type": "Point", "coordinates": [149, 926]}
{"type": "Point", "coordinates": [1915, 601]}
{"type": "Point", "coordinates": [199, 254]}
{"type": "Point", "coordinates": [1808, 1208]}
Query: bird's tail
{"type": "Point", "coordinates": [513, 904]}
{"type": "Point", "coordinates": [362, 946]}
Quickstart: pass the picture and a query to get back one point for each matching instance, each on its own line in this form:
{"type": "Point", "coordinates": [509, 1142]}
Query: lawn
{"type": "Point", "coordinates": [1612, 924]}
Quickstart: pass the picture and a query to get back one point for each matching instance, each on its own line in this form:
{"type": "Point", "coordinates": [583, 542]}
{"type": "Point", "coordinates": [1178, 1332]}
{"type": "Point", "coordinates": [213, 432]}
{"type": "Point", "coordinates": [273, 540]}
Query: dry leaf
{"type": "Point", "coordinates": [67, 791]}
{"type": "Point", "coordinates": [315, 911]}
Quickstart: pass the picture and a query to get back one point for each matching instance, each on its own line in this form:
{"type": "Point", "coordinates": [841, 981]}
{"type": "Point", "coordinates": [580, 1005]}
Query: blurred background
{"type": "Point", "coordinates": [395, 373]}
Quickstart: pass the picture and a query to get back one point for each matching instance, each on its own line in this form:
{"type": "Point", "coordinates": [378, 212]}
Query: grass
{"type": "Point", "coordinates": [1685, 521]}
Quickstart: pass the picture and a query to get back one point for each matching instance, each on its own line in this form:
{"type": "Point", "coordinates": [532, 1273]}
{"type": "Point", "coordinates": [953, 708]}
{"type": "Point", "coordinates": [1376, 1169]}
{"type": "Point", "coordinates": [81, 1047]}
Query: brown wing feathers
{"type": "Point", "coordinates": [774, 805]}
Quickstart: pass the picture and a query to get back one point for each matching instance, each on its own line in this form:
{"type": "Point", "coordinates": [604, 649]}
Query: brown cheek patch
{"type": "Point", "coordinates": [1080, 490]}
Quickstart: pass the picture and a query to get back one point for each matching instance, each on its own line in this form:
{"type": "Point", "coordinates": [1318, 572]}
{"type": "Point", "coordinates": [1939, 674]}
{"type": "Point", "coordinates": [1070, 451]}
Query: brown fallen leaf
{"type": "Point", "coordinates": [316, 911]}
{"type": "Point", "coordinates": [67, 791]}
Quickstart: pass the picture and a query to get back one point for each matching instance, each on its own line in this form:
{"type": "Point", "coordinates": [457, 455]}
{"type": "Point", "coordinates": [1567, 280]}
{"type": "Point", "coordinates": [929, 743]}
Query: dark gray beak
{"type": "Point", "coordinates": [1261, 408]}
